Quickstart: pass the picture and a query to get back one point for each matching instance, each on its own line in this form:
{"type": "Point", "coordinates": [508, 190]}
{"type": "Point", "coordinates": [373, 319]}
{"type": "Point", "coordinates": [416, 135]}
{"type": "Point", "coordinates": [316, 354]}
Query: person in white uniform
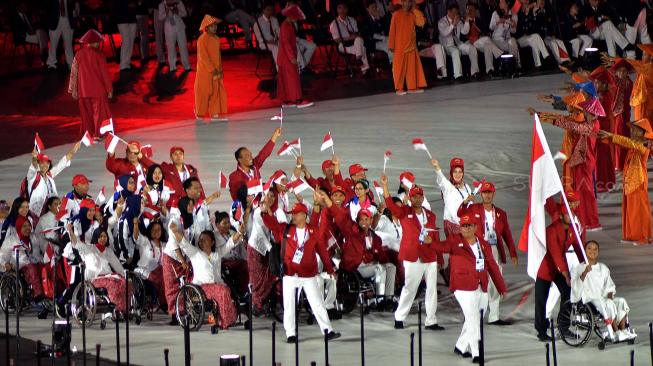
{"type": "Point", "coordinates": [172, 12]}
{"type": "Point", "coordinates": [503, 25]}
{"type": "Point", "coordinates": [450, 28]}
{"type": "Point", "coordinates": [266, 30]}
{"type": "Point", "coordinates": [483, 43]}
{"type": "Point", "coordinates": [61, 14]}
{"type": "Point", "coordinates": [344, 31]}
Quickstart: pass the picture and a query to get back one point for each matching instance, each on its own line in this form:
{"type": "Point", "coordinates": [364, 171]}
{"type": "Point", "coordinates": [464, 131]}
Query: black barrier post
{"type": "Point", "coordinates": [548, 358]}
{"type": "Point", "coordinates": [553, 343]}
{"type": "Point", "coordinates": [165, 356]}
{"type": "Point", "coordinates": [481, 344]}
{"type": "Point", "coordinates": [17, 306]}
{"type": "Point", "coordinates": [632, 357]}
{"type": "Point", "coordinates": [117, 342]}
{"type": "Point", "coordinates": [296, 327]}
{"type": "Point", "coordinates": [186, 331]}
{"type": "Point", "coordinates": [97, 354]}
{"type": "Point", "coordinates": [326, 347]}
{"type": "Point", "coordinates": [412, 349]}
{"type": "Point", "coordinates": [419, 333]}
{"type": "Point", "coordinates": [83, 283]}
{"type": "Point", "coordinates": [313, 363]}
{"type": "Point", "coordinates": [38, 352]}
{"type": "Point", "coordinates": [7, 346]}
{"type": "Point", "coordinates": [54, 301]}
{"type": "Point", "coordinates": [68, 351]}
{"type": "Point", "coordinates": [362, 311]}
{"type": "Point", "coordinates": [251, 326]}
{"type": "Point", "coordinates": [243, 360]}
{"type": "Point", "coordinates": [274, 346]}
{"type": "Point", "coordinates": [126, 315]}
{"type": "Point", "coordinates": [650, 339]}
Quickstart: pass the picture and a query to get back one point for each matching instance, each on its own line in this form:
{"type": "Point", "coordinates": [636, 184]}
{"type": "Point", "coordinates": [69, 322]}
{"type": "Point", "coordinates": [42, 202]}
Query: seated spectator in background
{"type": "Point", "coordinates": [374, 29]}
{"type": "Point", "coordinates": [25, 31]}
{"type": "Point", "coordinates": [61, 14]}
{"type": "Point", "coordinates": [344, 31]}
{"type": "Point", "coordinates": [125, 15]}
{"type": "Point", "coordinates": [528, 36]}
{"type": "Point", "coordinates": [477, 37]}
{"type": "Point", "coordinates": [574, 31]}
{"type": "Point", "coordinates": [428, 46]}
{"type": "Point", "coordinates": [633, 13]}
{"type": "Point", "coordinates": [232, 12]}
{"type": "Point", "coordinates": [503, 25]}
{"type": "Point", "coordinates": [545, 25]}
{"type": "Point", "coordinates": [450, 28]}
{"type": "Point", "coordinates": [267, 31]}
{"type": "Point", "coordinates": [599, 21]}
{"type": "Point", "coordinates": [172, 12]}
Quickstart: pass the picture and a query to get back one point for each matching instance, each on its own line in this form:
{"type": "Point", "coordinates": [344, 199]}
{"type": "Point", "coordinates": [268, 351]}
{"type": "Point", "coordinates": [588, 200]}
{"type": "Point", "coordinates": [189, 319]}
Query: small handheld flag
{"type": "Point", "coordinates": [147, 151]}
{"type": "Point", "coordinates": [101, 198]}
{"type": "Point", "coordinates": [254, 187]}
{"type": "Point", "coordinates": [222, 181]}
{"type": "Point", "coordinates": [87, 139]}
{"type": "Point", "coordinates": [327, 143]}
{"type": "Point", "coordinates": [286, 149]}
{"type": "Point", "coordinates": [386, 159]}
{"type": "Point", "coordinates": [106, 126]}
{"type": "Point", "coordinates": [298, 186]}
{"type": "Point", "coordinates": [296, 144]}
{"type": "Point", "coordinates": [379, 190]}
{"type": "Point", "coordinates": [279, 117]}
{"type": "Point", "coordinates": [110, 142]}
{"type": "Point", "coordinates": [418, 144]}
{"type": "Point", "coordinates": [38, 143]}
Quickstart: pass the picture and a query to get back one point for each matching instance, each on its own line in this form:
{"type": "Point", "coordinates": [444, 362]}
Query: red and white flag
{"type": "Point", "coordinates": [110, 142]}
{"type": "Point", "coordinates": [222, 180]}
{"type": "Point", "coordinates": [296, 144]}
{"type": "Point", "coordinates": [418, 144]}
{"type": "Point", "coordinates": [378, 189]}
{"type": "Point", "coordinates": [477, 186]}
{"type": "Point", "coordinates": [327, 142]}
{"type": "Point", "coordinates": [298, 186]}
{"type": "Point", "coordinates": [279, 117]}
{"type": "Point", "coordinates": [64, 210]}
{"type": "Point", "coordinates": [38, 144]}
{"type": "Point", "coordinates": [285, 149]}
{"type": "Point", "coordinates": [151, 211]}
{"type": "Point", "coordinates": [405, 181]}
{"type": "Point", "coordinates": [147, 151]}
{"type": "Point", "coordinates": [254, 187]}
{"type": "Point", "coordinates": [101, 198]}
{"type": "Point", "coordinates": [268, 185]}
{"type": "Point", "coordinates": [386, 158]}
{"type": "Point", "coordinates": [544, 182]}
{"type": "Point", "coordinates": [87, 139]}
{"type": "Point", "coordinates": [106, 126]}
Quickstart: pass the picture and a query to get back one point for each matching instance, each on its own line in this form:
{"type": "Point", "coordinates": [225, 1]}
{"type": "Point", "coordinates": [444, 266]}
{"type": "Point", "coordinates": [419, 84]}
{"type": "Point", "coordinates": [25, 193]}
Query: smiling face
{"type": "Point", "coordinates": [157, 175]}
{"type": "Point", "coordinates": [155, 231]}
{"type": "Point", "coordinates": [26, 229]}
{"type": "Point", "coordinates": [224, 225]}
{"type": "Point", "coordinates": [206, 243]}
{"type": "Point", "coordinates": [299, 219]}
{"type": "Point", "coordinates": [103, 238]}
{"type": "Point", "coordinates": [23, 210]}
{"type": "Point", "coordinates": [44, 166]}
{"type": "Point", "coordinates": [458, 174]}
{"type": "Point", "coordinates": [177, 157]}
{"type": "Point", "coordinates": [468, 230]}
{"type": "Point", "coordinates": [361, 191]}
{"type": "Point", "coordinates": [245, 158]}
{"type": "Point", "coordinates": [194, 191]}
{"type": "Point", "coordinates": [81, 189]}
{"type": "Point", "coordinates": [131, 185]}
{"type": "Point", "coordinates": [364, 222]}
{"type": "Point", "coordinates": [338, 198]}
{"type": "Point", "coordinates": [487, 197]}
{"type": "Point", "coordinates": [54, 206]}
{"type": "Point", "coordinates": [416, 200]}
{"type": "Point", "coordinates": [592, 251]}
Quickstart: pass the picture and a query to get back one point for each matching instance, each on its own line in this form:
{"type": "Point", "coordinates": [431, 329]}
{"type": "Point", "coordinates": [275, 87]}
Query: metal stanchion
{"type": "Point", "coordinates": [360, 299]}
{"type": "Point", "coordinates": [419, 333]}
{"type": "Point", "coordinates": [632, 357]}
{"type": "Point", "coordinates": [38, 352]}
{"type": "Point", "coordinates": [650, 339]}
{"type": "Point", "coordinates": [481, 344]}
{"type": "Point", "coordinates": [251, 328]}
{"type": "Point", "coordinates": [83, 270]}
{"type": "Point", "coordinates": [548, 355]}
{"type": "Point", "coordinates": [166, 352]}
{"type": "Point", "coordinates": [7, 346]}
{"type": "Point", "coordinates": [412, 349]}
{"type": "Point", "coordinates": [274, 346]}
{"type": "Point", "coordinates": [296, 304]}
{"type": "Point", "coordinates": [126, 315]}
{"type": "Point", "coordinates": [17, 360]}
{"type": "Point", "coordinates": [326, 347]}
{"type": "Point", "coordinates": [553, 343]}
{"type": "Point", "coordinates": [186, 331]}
{"type": "Point", "coordinates": [97, 354]}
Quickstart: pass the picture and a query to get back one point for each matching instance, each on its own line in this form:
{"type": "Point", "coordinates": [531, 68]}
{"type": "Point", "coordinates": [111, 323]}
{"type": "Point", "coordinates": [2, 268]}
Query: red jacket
{"type": "Point", "coordinates": [501, 227]}
{"type": "Point", "coordinates": [121, 166]}
{"type": "Point", "coordinates": [462, 264]}
{"type": "Point", "coordinates": [410, 247]}
{"type": "Point", "coordinates": [171, 175]}
{"type": "Point", "coordinates": [238, 178]}
{"type": "Point", "coordinates": [558, 241]}
{"type": "Point", "coordinates": [330, 231]}
{"type": "Point", "coordinates": [307, 267]}
{"type": "Point", "coordinates": [354, 251]}
{"type": "Point", "coordinates": [324, 184]}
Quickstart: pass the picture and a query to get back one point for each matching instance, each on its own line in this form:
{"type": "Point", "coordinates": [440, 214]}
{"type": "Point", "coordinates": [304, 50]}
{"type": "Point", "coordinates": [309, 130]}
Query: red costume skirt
{"type": "Point", "coordinates": [115, 290]}
{"type": "Point", "coordinates": [221, 294]}
{"type": "Point", "coordinates": [171, 272]}
{"type": "Point", "coordinates": [92, 112]}
{"type": "Point", "coordinates": [260, 276]}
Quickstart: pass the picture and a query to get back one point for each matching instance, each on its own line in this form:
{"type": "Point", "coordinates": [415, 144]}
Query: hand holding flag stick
{"type": "Point", "coordinates": [418, 144]}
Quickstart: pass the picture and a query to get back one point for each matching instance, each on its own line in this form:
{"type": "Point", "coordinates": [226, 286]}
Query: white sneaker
{"type": "Point", "coordinates": [416, 91]}
{"type": "Point", "coordinates": [401, 92]}
{"type": "Point", "coordinates": [631, 333]}
{"type": "Point", "coordinates": [217, 118]}
{"type": "Point", "coordinates": [305, 104]}
{"type": "Point", "coordinates": [289, 105]}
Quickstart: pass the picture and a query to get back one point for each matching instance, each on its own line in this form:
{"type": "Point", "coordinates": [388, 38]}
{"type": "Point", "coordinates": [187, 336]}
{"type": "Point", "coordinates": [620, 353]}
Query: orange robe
{"type": "Point", "coordinates": [210, 93]}
{"type": "Point", "coordinates": [635, 207]}
{"type": "Point", "coordinates": [642, 98]}
{"type": "Point", "coordinates": [406, 67]}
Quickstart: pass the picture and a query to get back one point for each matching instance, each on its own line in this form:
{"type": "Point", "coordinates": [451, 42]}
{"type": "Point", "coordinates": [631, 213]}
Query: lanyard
{"type": "Point", "coordinates": [396, 229]}
{"type": "Point", "coordinates": [301, 247]}
{"type": "Point", "coordinates": [478, 248]}
{"type": "Point", "coordinates": [494, 222]}
{"type": "Point", "coordinates": [250, 176]}
{"type": "Point", "coordinates": [461, 193]}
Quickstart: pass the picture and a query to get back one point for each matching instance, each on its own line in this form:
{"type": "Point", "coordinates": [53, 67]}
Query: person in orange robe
{"type": "Point", "coordinates": [210, 93]}
{"type": "Point", "coordinates": [90, 83]}
{"type": "Point", "coordinates": [635, 206]}
{"type": "Point", "coordinates": [406, 67]}
{"type": "Point", "coordinates": [642, 97]}
{"type": "Point", "coordinates": [605, 85]}
{"type": "Point", "coordinates": [289, 87]}
{"type": "Point", "coordinates": [621, 111]}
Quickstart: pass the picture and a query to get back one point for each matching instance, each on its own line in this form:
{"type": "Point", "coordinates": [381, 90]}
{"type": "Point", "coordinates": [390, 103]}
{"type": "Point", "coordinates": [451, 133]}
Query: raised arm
{"type": "Point", "coordinates": [267, 149]}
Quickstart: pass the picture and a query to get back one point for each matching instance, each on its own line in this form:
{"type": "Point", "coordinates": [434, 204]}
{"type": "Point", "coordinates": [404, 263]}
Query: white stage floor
{"type": "Point", "coordinates": [484, 123]}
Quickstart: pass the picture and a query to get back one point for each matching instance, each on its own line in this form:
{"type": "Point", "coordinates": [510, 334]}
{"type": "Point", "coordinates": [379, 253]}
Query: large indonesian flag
{"type": "Point", "coordinates": [544, 183]}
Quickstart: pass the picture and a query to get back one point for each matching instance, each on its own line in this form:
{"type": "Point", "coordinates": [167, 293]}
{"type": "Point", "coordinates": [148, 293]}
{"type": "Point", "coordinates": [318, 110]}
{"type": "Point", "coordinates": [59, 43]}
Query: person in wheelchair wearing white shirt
{"type": "Point", "coordinates": [593, 284]}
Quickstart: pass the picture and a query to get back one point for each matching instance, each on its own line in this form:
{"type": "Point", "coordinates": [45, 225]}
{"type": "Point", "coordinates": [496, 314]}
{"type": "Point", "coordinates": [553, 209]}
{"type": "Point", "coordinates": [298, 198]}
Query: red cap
{"type": "Point", "coordinates": [355, 169]}
{"type": "Point", "coordinates": [467, 219]}
{"type": "Point", "coordinates": [336, 188]}
{"type": "Point", "coordinates": [364, 212]}
{"type": "Point", "coordinates": [176, 148]}
{"type": "Point", "coordinates": [133, 142]}
{"type": "Point", "coordinates": [293, 11]}
{"type": "Point", "coordinates": [326, 165]}
{"type": "Point", "coordinates": [572, 196]}
{"type": "Point", "coordinates": [92, 36]}
{"type": "Point", "coordinates": [408, 176]}
{"type": "Point", "coordinates": [80, 179]}
{"type": "Point", "coordinates": [415, 190]}
{"type": "Point", "coordinates": [87, 203]}
{"type": "Point", "coordinates": [42, 157]}
{"type": "Point", "coordinates": [457, 162]}
{"type": "Point", "coordinates": [299, 208]}
{"type": "Point", "coordinates": [488, 187]}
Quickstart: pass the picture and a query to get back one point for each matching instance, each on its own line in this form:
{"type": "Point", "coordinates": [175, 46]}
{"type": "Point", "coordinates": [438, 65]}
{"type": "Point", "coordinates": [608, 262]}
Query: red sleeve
{"type": "Point", "coordinates": [396, 210]}
{"type": "Point", "coordinates": [343, 220]}
{"type": "Point", "coordinates": [381, 254]}
{"type": "Point", "coordinates": [337, 178]}
{"type": "Point", "coordinates": [235, 181]}
{"type": "Point", "coordinates": [263, 154]}
{"type": "Point", "coordinates": [106, 78]}
{"type": "Point", "coordinates": [493, 270]}
{"type": "Point", "coordinates": [271, 222]}
{"type": "Point", "coordinates": [113, 164]}
{"type": "Point", "coordinates": [313, 182]}
{"type": "Point", "coordinates": [315, 217]}
{"type": "Point", "coordinates": [146, 162]}
{"type": "Point", "coordinates": [507, 236]}
{"type": "Point", "coordinates": [322, 251]}
{"type": "Point", "coordinates": [555, 248]}
{"type": "Point", "coordinates": [444, 246]}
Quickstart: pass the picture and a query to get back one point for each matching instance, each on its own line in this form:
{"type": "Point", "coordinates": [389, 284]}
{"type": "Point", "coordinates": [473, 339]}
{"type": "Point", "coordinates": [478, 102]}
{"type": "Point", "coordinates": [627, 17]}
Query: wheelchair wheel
{"type": "Point", "coordinates": [193, 306]}
{"type": "Point", "coordinates": [89, 307]}
{"type": "Point", "coordinates": [348, 288]}
{"type": "Point", "coordinates": [8, 293]}
{"type": "Point", "coordinates": [575, 323]}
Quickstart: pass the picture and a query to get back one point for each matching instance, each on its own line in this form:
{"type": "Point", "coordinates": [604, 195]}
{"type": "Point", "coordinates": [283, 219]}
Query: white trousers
{"type": "Point", "coordinates": [615, 309]}
{"type": "Point", "coordinates": [327, 286]}
{"type": "Point", "coordinates": [494, 298]}
{"type": "Point", "coordinates": [438, 53]}
{"type": "Point", "coordinates": [39, 37]}
{"type": "Point", "coordinates": [579, 44]}
{"type": "Point", "coordinates": [554, 294]}
{"type": "Point", "coordinates": [358, 50]}
{"type": "Point", "coordinates": [63, 30]}
{"type": "Point", "coordinates": [305, 51]}
{"type": "Point", "coordinates": [509, 46]}
{"type": "Point", "coordinates": [141, 32]}
{"type": "Point", "coordinates": [471, 302]}
{"type": "Point", "coordinates": [490, 51]}
{"type": "Point", "coordinates": [384, 276]}
{"type": "Point", "coordinates": [381, 44]}
{"type": "Point", "coordinates": [159, 37]}
{"type": "Point", "coordinates": [611, 35]}
{"type": "Point", "coordinates": [244, 20]}
{"type": "Point", "coordinates": [315, 299]}
{"type": "Point", "coordinates": [176, 36]}
{"type": "Point", "coordinates": [127, 35]}
{"type": "Point", "coordinates": [535, 42]}
{"type": "Point", "coordinates": [556, 46]}
{"type": "Point", "coordinates": [638, 29]}
{"type": "Point", "coordinates": [413, 273]}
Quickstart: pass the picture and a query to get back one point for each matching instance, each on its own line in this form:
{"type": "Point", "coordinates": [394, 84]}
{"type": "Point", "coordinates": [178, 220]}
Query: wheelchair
{"type": "Point", "coordinates": [241, 300]}
{"type": "Point", "coordinates": [89, 301]}
{"type": "Point", "coordinates": [353, 289]}
{"type": "Point", "coordinates": [8, 293]}
{"type": "Point", "coordinates": [577, 321]}
{"type": "Point", "coordinates": [145, 296]}
{"type": "Point", "coordinates": [191, 306]}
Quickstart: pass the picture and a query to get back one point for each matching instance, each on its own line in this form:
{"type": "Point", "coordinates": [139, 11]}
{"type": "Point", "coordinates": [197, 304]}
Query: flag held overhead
{"type": "Point", "coordinates": [87, 139]}
{"type": "Point", "coordinates": [327, 142]}
{"type": "Point", "coordinates": [38, 143]}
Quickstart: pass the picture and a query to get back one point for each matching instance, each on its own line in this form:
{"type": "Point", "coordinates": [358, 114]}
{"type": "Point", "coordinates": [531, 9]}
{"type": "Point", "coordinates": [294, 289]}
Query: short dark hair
{"type": "Point", "coordinates": [592, 242]}
{"type": "Point", "coordinates": [211, 235]}
{"type": "Point", "coordinates": [452, 6]}
{"type": "Point", "coordinates": [238, 152]}
{"type": "Point", "coordinates": [189, 182]}
{"type": "Point", "coordinates": [220, 215]}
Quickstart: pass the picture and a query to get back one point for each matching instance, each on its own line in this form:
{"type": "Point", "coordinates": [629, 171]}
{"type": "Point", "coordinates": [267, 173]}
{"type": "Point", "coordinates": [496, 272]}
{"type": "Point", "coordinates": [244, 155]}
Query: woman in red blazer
{"type": "Point", "coordinates": [472, 265]}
